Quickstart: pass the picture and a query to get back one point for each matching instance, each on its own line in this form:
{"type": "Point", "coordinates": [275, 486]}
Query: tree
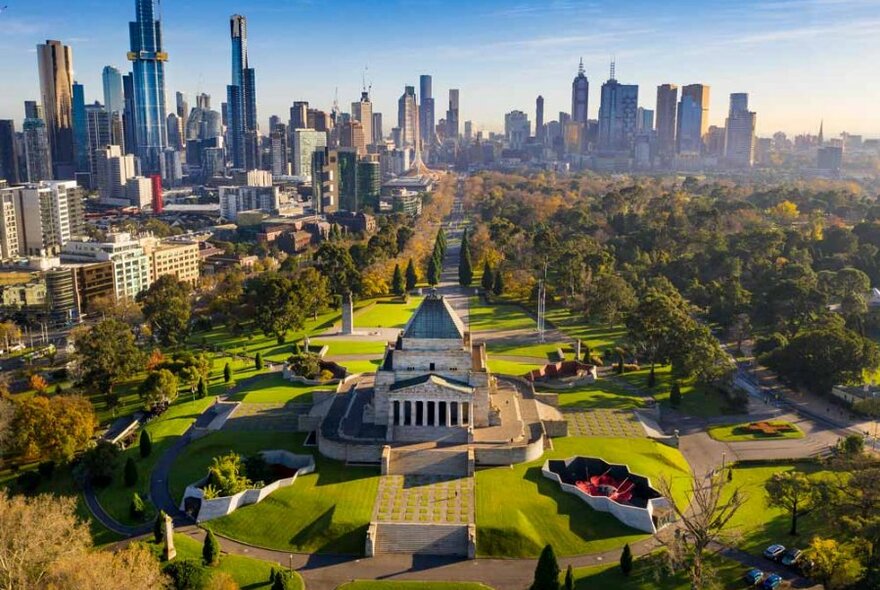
{"type": "Point", "coordinates": [791, 491]}
{"type": "Point", "coordinates": [137, 508]}
{"type": "Point", "coordinates": [100, 462]}
{"type": "Point", "coordinates": [221, 580]}
{"type": "Point", "coordinates": [433, 271]}
{"type": "Point", "coordinates": [397, 281]}
{"type": "Point", "coordinates": [608, 298]}
{"type": "Point", "coordinates": [106, 354]}
{"type": "Point", "coordinates": [675, 395]}
{"type": "Point", "coordinates": [202, 388]}
{"type": "Point", "coordinates": [167, 310]}
{"type": "Point", "coordinates": [55, 428]}
{"type": "Point", "coordinates": [226, 475]}
{"type": "Point", "coordinates": [258, 362]}
{"type": "Point", "coordinates": [7, 418]}
{"type": "Point", "coordinates": [498, 285]}
{"type": "Point", "coordinates": [281, 581]}
{"type": "Point", "coordinates": [158, 388]}
{"type": "Point", "coordinates": [39, 384]}
{"type": "Point", "coordinates": [626, 560]}
{"type": "Point", "coordinates": [159, 527]}
{"type": "Point", "coordinates": [130, 473]}
{"type": "Point", "coordinates": [569, 579]}
{"type": "Point", "coordinates": [211, 549]}
{"type": "Point", "coordinates": [187, 574]}
{"type": "Point", "coordinates": [853, 445]}
{"type": "Point", "coordinates": [190, 376]}
{"type": "Point", "coordinates": [313, 291]}
{"type": "Point", "coordinates": [703, 523]}
{"type": "Point", "coordinates": [335, 262]}
{"type": "Point", "coordinates": [488, 279]}
{"type": "Point", "coordinates": [277, 303]}
{"type": "Point", "coordinates": [145, 444]}
{"type": "Point", "coordinates": [465, 268]}
{"type": "Point", "coordinates": [227, 373]}
{"type": "Point", "coordinates": [547, 571]}
{"type": "Point", "coordinates": [132, 568]}
{"type": "Point", "coordinates": [834, 564]}
{"type": "Point", "coordinates": [411, 277]}
{"type": "Point", "coordinates": [35, 533]}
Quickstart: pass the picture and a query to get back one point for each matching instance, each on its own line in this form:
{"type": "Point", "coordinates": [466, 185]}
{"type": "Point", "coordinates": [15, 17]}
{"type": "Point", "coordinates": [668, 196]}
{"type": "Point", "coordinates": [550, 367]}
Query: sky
{"type": "Point", "coordinates": [801, 61]}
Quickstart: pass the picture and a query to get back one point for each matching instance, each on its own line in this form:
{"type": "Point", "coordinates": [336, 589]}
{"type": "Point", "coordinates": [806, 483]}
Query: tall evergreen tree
{"type": "Point", "coordinates": [397, 281]}
{"type": "Point", "coordinates": [159, 527]}
{"type": "Point", "coordinates": [569, 579]}
{"type": "Point", "coordinates": [227, 373]}
{"type": "Point", "coordinates": [433, 271]}
{"type": "Point", "coordinates": [202, 388]}
{"type": "Point", "coordinates": [411, 276]}
{"type": "Point", "coordinates": [488, 280]}
{"type": "Point", "coordinates": [626, 560]}
{"type": "Point", "coordinates": [498, 286]}
{"type": "Point", "coordinates": [130, 473]}
{"type": "Point", "coordinates": [211, 549]}
{"type": "Point", "coordinates": [547, 571]}
{"type": "Point", "coordinates": [146, 444]}
{"type": "Point", "coordinates": [465, 270]}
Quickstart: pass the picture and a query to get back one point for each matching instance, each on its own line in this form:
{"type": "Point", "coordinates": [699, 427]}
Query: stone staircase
{"type": "Point", "coordinates": [428, 461]}
{"type": "Point", "coordinates": [421, 539]}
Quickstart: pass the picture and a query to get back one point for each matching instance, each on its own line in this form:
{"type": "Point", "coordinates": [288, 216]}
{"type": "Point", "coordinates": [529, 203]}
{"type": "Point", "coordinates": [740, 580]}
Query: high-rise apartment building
{"type": "Point", "coordinates": [378, 133]}
{"type": "Point", "coordinates": [8, 226]}
{"type": "Point", "coordinates": [426, 110]}
{"type": "Point", "coordinates": [352, 135]}
{"type": "Point", "coordinates": [242, 101]}
{"type": "Point", "coordinates": [517, 129]}
{"type": "Point", "coordinates": [131, 266]}
{"type": "Point", "coordinates": [539, 119]}
{"type": "Point", "coordinates": [279, 150]}
{"type": "Point", "coordinates": [37, 153]}
{"type": "Point", "coordinates": [148, 86]}
{"type": "Point", "coordinates": [667, 99]}
{"type": "Point", "coordinates": [408, 118]}
{"type": "Point", "coordinates": [362, 112]}
{"type": "Point", "coordinates": [112, 171]}
{"type": "Point", "coordinates": [299, 115]}
{"type": "Point", "coordinates": [693, 119]}
{"type": "Point", "coordinates": [618, 113]}
{"type": "Point", "coordinates": [452, 115]}
{"type": "Point", "coordinates": [55, 62]}
{"type": "Point", "coordinates": [580, 96]}
{"type": "Point", "coordinates": [739, 142]}
{"type": "Point", "coordinates": [48, 215]}
{"type": "Point", "coordinates": [325, 180]}
{"type": "Point", "coordinates": [182, 114]}
{"type": "Point", "coordinates": [305, 143]}
{"type": "Point", "coordinates": [172, 130]}
{"type": "Point", "coordinates": [99, 135]}
{"type": "Point", "coordinates": [8, 152]}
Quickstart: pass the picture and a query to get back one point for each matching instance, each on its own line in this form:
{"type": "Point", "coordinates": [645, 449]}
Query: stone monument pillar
{"type": "Point", "coordinates": [347, 315]}
{"type": "Point", "coordinates": [170, 552]}
{"type": "Point", "coordinates": [577, 350]}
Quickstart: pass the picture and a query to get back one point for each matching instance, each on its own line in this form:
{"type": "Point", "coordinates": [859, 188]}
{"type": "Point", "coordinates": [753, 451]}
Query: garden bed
{"type": "Point", "coordinates": [751, 431]}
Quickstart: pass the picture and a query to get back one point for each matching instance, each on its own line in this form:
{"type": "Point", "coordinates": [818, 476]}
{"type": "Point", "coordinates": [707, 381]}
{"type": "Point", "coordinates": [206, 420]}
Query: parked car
{"type": "Point", "coordinates": [754, 576]}
{"type": "Point", "coordinates": [791, 556]}
{"type": "Point", "coordinates": [774, 552]}
{"type": "Point", "coordinates": [771, 582]}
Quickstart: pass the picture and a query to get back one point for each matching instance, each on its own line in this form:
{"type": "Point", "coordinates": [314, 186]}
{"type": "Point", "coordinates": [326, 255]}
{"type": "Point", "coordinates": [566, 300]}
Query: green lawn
{"type": "Point", "coordinates": [275, 389]}
{"type": "Point", "coordinates": [392, 585]}
{"type": "Point", "coordinates": [604, 393]}
{"type": "Point", "coordinates": [519, 510]}
{"type": "Point", "coordinates": [116, 497]}
{"type": "Point", "coordinates": [737, 433]}
{"type": "Point", "coordinates": [518, 368]}
{"type": "Point", "coordinates": [646, 575]}
{"type": "Point", "coordinates": [696, 400]}
{"type": "Point", "coordinates": [361, 366]}
{"type": "Point", "coordinates": [347, 347]}
{"type": "Point", "coordinates": [325, 512]}
{"type": "Point", "coordinates": [595, 336]}
{"type": "Point", "coordinates": [757, 524]}
{"type": "Point", "coordinates": [498, 316]}
{"type": "Point", "coordinates": [537, 350]}
{"type": "Point", "coordinates": [387, 314]}
{"type": "Point", "coordinates": [247, 572]}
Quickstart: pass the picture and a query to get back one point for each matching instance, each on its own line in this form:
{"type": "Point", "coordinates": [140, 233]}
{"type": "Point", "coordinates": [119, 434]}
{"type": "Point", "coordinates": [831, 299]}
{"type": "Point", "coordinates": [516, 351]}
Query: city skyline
{"type": "Point", "coordinates": [779, 52]}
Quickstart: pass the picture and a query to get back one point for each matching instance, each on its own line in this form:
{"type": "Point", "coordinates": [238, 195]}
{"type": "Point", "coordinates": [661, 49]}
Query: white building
{"type": "Point", "coordinates": [234, 199]}
{"type": "Point", "coordinates": [131, 266]}
{"type": "Point", "coordinates": [8, 226]}
{"type": "Point", "coordinates": [305, 143]}
{"type": "Point", "coordinates": [517, 129]}
{"type": "Point", "coordinates": [113, 171]}
{"type": "Point", "coordinates": [739, 141]}
{"type": "Point", "coordinates": [139, 192]}
{"type": "Point", "coordinates": [47, 215]}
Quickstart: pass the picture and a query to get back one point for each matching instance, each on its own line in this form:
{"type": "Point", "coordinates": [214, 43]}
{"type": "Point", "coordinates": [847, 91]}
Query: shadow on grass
{"type": "Point", "coordinates": [331, 538]}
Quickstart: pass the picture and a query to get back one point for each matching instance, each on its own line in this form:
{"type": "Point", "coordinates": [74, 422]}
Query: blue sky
{"type": "Point", "coordinates": [800, 60]}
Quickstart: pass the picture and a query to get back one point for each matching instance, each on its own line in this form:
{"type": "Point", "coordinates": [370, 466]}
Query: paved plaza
{"type": "Point", "coordinates": [605, 423]}
{"type": "Point", "coordinates": [427, 499]}
{"type": "Point", "coordinates": [276, 417]}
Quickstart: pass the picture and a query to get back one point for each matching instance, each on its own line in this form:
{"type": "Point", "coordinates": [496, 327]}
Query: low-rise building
{"type": "Point", "coordinates": [131, 266]}
{"type": "Point", "coordinates": [180, 259]}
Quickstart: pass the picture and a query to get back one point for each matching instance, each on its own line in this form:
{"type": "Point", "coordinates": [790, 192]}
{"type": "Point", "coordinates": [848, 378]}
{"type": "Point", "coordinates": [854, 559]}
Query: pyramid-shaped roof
{"type": "Point", "coordinates": [434, 319]}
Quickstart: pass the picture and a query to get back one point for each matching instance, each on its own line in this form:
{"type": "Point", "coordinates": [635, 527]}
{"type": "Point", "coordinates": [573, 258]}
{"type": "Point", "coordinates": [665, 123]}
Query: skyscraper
{"type": "Point", "coordinates": [148, 86]}
{"type": "Point", "coordinates": [55, 61]}
{"type": "Point", "coordinates": [114, 99]}
{"type": "Point", "coordinates": [667, 97]}
{"type": "Point", "coordinates": [299, 115]}
{"type": "Point", "coordinates": [517, 129]}
{"type": "Point", "coordinates": [408, 118]}
{"type": "Point", "coordinates": [38, 155]}
{"type": "Point", "coordinates": [242, 100]}
{"type": "Point", "coordinates": [182, 114]}
{"type": "Point", "coordinates": [426, 109]}
{"type": "Point", "coordinates": [618, 112]}
{"type": "Point", "coordinates": [539, 119]}
{"type": "Point", "coordinates": [8, 155]}
{"type": "Point", "coordinates": [580, 96]}
{"type": "Point", "coordinates": [693, 119]}
{"type": "Point", "coordinates": [452, 115]}
{"type": "Point", "coordinates": [33, 110]}
{"type": "Point", "coordinates": [279, 150]}
{"type": "Point", "coordinates": [99, 130]}
{"type": "Point", "coordinates": [362, 111]}
{"type": "Point", "coordinates": [80, 130]}
{"type": "Point", "coordinates": [129, 125]}
{"type": "Point", "coordinates": [378, 134]}
{"type": "Point", "coordinates": [739, 142]}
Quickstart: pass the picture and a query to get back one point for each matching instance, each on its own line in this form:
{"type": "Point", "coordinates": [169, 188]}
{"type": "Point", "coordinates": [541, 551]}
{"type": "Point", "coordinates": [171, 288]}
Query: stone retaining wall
{"type": "Point", "coordinates": [509, 455]}
{"type": "Point", "coordinates": [217, 507]}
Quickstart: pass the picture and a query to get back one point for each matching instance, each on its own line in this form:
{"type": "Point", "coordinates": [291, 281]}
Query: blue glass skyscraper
{"type": "Point", "coordinates": [148, 76]}
{"type": "Point", "coordinates": [80, 129]}
{"type": "Point", "coordinates": [114, 100]}
{"type": "Point", "coordinates": [242, 100]}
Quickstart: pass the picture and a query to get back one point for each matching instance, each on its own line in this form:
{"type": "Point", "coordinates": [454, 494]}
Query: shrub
{"type": "Point", "coordinates": [281, 339]}
{"type": "Point", "coordinates": [211, 549]}
{"type": "Point", "coordinates": [159, 527]}
{"type": "Point", "coordinates": [227, 373]}
{"type": "Point", "coordinates": [258, 361]}
{"type": "Point", "coordinates": [225, 474]}
{"type": "Point", "coordinates": [137, 508]}
{"type": "Point", "coordinates": [202, 388]}
{"type": "Point", "coordinates": [46, 469]}
{"type": "Point", "coordinates": [282, 580]}
{"type": "Point", "coordinates": [626, 560]}
{"type": "Point", "coordinates": [145, 444]}
{"type": "Point", "coordinates": [766, 344]}
{"type": "Point", "coordinates": [186, 574]}
{"type": "Point", "coordinates": [305, 365]}
{"type": "Point", "coordinates": [130, 473]}
{"type": "Point", "coordinates": [326, 375]}
{"type": "Point", "coordinates": [101, 462]}
{"type": "Point", "coordinates": [29, 481]}
{"type": "Point", "coordinates": [675, 395]}
{"type": "Point", "coordinates": [209, 492]}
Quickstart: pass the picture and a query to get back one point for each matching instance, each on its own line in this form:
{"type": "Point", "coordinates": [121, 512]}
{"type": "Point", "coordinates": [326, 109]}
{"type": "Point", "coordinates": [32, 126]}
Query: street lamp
{"type": "Point", "coordinates": [290, 557]}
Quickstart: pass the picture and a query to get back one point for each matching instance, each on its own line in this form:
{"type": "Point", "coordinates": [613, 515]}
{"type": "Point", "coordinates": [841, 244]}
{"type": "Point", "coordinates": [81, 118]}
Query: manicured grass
{"type": "Point", "coordinates": [647, 576]}
{"type": "Point", "coordinates": [387, 314]}
{"type": "Point", "coordinates": [597, 337]}
{"type": "Point", "coordinates": [325, 512]}
{"type": "Point", "coordinates": [758, 524]}
{"type": "Point", "coordinates": [537, 350]}
{"type": "Point", "coordinates": [696, 400]}
{"type": "Point", "coordinates": [604, 394]}
{"type": "Point", "coordinates": [519, 511]}
{"type": "Point", "coordinates": [361, 366]}
{"type": "Point", "coordinates": [392, 585]}
{"type": "Point", "coordinates": [517, 368]}
{"type": "Point", "coordinates": [247, 572]}
{"type": "Point", "coordinates": [275, 389]}
{"type": "Point", "coordinates": [116, 498]}
{"type": "Point", "coordinates": [498, 316]}
{"type": "Point", "coordinates": [347, 347]}
{"type": "Point", "coordinates": [193, 462]}
{"type": "Point", "coordinates": [737, 433]}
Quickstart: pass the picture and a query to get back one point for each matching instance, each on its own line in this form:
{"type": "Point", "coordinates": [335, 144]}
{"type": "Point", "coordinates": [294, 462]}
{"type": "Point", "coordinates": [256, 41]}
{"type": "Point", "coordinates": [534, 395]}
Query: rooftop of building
{"type": "Point", "coordinates": [434, 319]}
